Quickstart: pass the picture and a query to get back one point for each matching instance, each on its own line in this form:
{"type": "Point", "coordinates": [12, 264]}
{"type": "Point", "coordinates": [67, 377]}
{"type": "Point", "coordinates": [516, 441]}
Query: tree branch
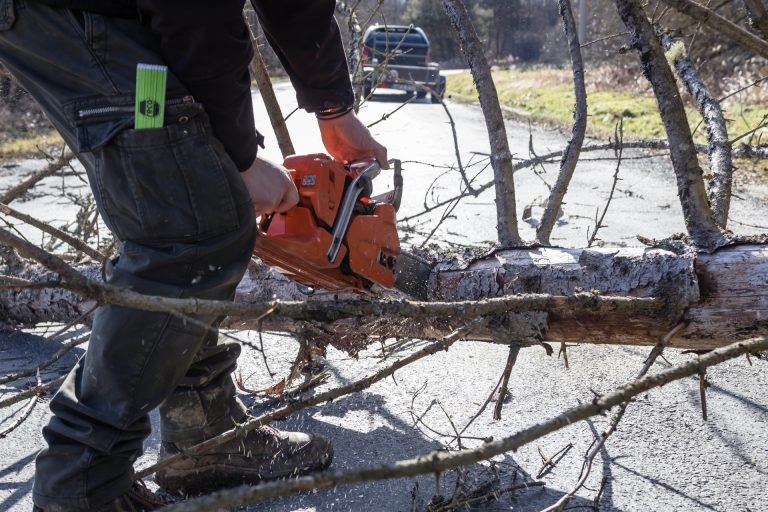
{"type": "Point", "coordinates": [615, 419]}
{"type": "Point", "coordinates": [51, 169]}
{"type": "Point", "coordinates": [241, 429]}
{"type": "Point", "coordinates": [721, 25]}
{"type": "Point", "coordinates": [501, 157]}
{"type": "Point", "coordinates": [717, 132]}
{"type": "Point", "coordinates": [573, 148]}
{"type": "Point", "coordinates": [326, 311]}
{"type": "Point", "coordinates": [758, 16]}
{"type": "Point", "coordinates": [261, 76]}
{"type": "Point", "coordinates": [54, 232]}
{"type": "Point", "coordinates": [690, 184]}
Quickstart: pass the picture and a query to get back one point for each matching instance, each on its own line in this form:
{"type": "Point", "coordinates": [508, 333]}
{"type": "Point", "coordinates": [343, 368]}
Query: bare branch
{"type": "Point", "coordinates": [717, 132]}
{"type": "Point", "coordinates": [536, 160]}
{"type": "Point", "coordinates": [501, 157]}
{"type": "Point", "coordinates": [51, 169]}
{"type": "Point", "coordinates": [268, 95]}
{"type": "Point", "coordinates": [514, 350]}
{"type": "Point", "coordinates": [55, 357]}
{"type": "Point", "coordinates": [573, 148]}
{"type": "Point", "coordinates": [758, 16]}
{"type": "Point", "coordinates": [721, 25]}
{"type": "Point", "coordinates": [24, 415]}
{"type": "Point", "coordinates": [598, 444]}
{"type": "Point", "coordinates": [690, 184]}
{"type": "Point", "coordinates": [322, 310]}
{"type": "Point", "coordinates": [54, 232]}
{"type": "Point", "coordinates": [599, 222]}
{"type": "Point", "coordinates": [35, 391]}
{"type": "Point", "coordinates": [354, 387]}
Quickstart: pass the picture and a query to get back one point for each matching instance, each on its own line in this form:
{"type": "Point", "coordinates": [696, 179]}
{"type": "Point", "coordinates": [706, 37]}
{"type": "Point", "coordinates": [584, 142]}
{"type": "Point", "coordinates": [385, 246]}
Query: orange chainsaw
{"type": "Point", "coordinates": [338, 236]}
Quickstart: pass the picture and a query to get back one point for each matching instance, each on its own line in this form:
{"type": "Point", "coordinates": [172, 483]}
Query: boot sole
{"type": "Point", "coordinates": [214, 477]}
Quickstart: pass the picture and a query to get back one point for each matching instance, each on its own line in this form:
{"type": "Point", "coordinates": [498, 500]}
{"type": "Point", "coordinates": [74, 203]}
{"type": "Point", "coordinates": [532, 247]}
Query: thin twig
{"type": "Point", "coordinates": [620, 142]}
{"type": "Point", "coordinates": [24, 415]}
{"type": "Point", "coordinates": [467, 183]}
{"type": "Point", "coordinates": [549, 462]}
{"type": "Point", "coordinates": [514, 350]}
{"type": "Point", "coordinates": [54, 232]}
{"type": "Point", "coordinates": [51, 169]}
{"type": "Point", "coordinates": [37, 390]}
{"type": "Point", "coordinates": [55, 357]}
{"type": "Point", "coordinates": [641, 144]}
{"type": "Point", "coordinates": [703, 393]}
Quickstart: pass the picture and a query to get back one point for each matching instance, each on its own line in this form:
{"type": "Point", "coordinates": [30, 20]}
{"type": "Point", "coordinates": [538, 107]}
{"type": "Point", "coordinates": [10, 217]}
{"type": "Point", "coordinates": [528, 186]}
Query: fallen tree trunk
{"type": "Point", "coordinates": [723, 295]}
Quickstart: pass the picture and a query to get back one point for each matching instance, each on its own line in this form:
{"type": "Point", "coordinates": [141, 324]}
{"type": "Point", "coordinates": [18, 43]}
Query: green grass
{"type": "Point", "coordinates": [31, 145]}
{"type": "Point", "coordinates": [545, 95]}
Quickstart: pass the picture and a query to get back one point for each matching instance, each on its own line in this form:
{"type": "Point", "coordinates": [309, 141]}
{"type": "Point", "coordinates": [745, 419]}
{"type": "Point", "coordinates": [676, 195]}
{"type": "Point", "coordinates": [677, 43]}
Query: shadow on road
{"type": "Point", "coordinates": [19, 488]}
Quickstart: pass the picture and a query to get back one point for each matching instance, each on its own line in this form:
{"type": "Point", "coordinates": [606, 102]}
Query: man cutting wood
{"type": "Point", "coordinates": [182, 199]}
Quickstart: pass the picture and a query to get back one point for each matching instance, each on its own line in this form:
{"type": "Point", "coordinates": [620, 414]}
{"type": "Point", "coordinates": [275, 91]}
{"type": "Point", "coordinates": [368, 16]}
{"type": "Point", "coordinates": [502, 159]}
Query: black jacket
{"type": "Point", "coordinates": [208, 47]}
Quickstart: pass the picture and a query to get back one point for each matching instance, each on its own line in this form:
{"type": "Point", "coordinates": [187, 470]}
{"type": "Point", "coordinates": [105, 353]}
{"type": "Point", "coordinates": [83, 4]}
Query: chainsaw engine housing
{"type": "Point", "coordinates": [337, 237]}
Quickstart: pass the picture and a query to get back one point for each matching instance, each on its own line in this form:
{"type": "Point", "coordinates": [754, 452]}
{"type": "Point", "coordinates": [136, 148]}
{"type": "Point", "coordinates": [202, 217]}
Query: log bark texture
{"type": "Point", "coordinates": [723, 295]}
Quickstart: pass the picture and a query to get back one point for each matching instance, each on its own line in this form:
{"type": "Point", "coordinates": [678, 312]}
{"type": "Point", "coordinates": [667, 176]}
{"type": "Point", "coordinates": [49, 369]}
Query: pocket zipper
{"type": "Point", "coordinates": [124, 109]}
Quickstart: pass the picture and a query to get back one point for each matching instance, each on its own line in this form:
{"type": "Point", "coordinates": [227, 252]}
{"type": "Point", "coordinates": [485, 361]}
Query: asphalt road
{"type": "Point", "coordinates": [664, 457]}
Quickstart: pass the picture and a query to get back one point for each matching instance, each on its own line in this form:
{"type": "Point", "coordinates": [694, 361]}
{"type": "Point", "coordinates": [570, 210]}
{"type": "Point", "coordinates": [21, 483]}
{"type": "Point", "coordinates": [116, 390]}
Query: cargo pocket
{"type": "Point", "coordinates": [166, 185]}
{"type": "Point", "coordinates": [7, 14]}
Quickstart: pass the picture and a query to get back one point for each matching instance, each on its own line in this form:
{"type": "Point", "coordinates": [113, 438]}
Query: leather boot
{"type": "Point", "coordinates": [265, 453]}
{"type": "Point", "coordinates": [137, 499]}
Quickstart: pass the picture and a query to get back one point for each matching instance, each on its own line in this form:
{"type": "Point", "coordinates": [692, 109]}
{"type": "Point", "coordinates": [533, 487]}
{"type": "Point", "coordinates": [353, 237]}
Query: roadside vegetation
{"type": "Point", "coordinates": [545, 95]}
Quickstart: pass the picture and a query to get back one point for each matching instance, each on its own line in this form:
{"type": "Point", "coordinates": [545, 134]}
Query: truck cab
{"type": "Point", "coordinates": [398, 57]}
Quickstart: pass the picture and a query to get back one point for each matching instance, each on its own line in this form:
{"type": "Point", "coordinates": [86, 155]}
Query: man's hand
{"type": "Point", "coordinates": [347, 139]}
{"type": "Point", "coordinates": [270, 187]}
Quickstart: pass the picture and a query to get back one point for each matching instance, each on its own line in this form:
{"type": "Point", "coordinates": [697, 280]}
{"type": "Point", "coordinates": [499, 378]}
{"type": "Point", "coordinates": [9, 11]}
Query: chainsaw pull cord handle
{"type": "Point", "coordinates": [360, 184]}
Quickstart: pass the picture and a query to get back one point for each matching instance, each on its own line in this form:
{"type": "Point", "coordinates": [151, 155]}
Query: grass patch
{"type": "Point", "coordinates": [30, 145]}
{"type": "Point", "coordinates": [546, 95]}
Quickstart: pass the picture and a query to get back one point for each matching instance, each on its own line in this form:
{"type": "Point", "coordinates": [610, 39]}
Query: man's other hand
{"type": "Point", "coordinates": [270, 186]}
{"type": "Point", "coordinates": [347, 139]}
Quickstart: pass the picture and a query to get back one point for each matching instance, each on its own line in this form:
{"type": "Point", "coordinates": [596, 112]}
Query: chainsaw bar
{"type": "Point", "coordinates": [412, 275]}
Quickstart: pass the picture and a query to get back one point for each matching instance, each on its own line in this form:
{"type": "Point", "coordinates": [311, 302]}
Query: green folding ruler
{"type": "Point", "coordinates": [150, 95]}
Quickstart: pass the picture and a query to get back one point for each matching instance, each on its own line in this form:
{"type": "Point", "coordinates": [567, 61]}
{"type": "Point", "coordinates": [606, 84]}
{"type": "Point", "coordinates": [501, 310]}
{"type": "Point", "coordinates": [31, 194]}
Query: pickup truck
{"type": "Point", "coordinates": [398, 57]}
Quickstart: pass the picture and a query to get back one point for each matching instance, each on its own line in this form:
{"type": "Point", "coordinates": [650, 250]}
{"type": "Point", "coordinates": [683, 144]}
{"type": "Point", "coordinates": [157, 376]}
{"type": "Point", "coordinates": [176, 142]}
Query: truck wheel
{"type": "Point", "coordinates": [421, 94]}
{"type": "Point", "coordinates": [439, 92]}
{"type": "Point", "coordinates": [366, 92]}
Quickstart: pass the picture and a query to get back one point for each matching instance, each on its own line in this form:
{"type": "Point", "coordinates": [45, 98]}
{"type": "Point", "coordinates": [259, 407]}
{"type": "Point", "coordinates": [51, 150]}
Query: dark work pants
{"type": "Point", "coordinates": [176, 202]}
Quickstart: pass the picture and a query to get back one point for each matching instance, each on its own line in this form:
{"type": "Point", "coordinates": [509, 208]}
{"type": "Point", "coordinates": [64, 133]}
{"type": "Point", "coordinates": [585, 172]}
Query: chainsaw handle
{"type": "Point", "coordinates": [394, 196]}
{"type": "Point", "coordinates": [368, 166]}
